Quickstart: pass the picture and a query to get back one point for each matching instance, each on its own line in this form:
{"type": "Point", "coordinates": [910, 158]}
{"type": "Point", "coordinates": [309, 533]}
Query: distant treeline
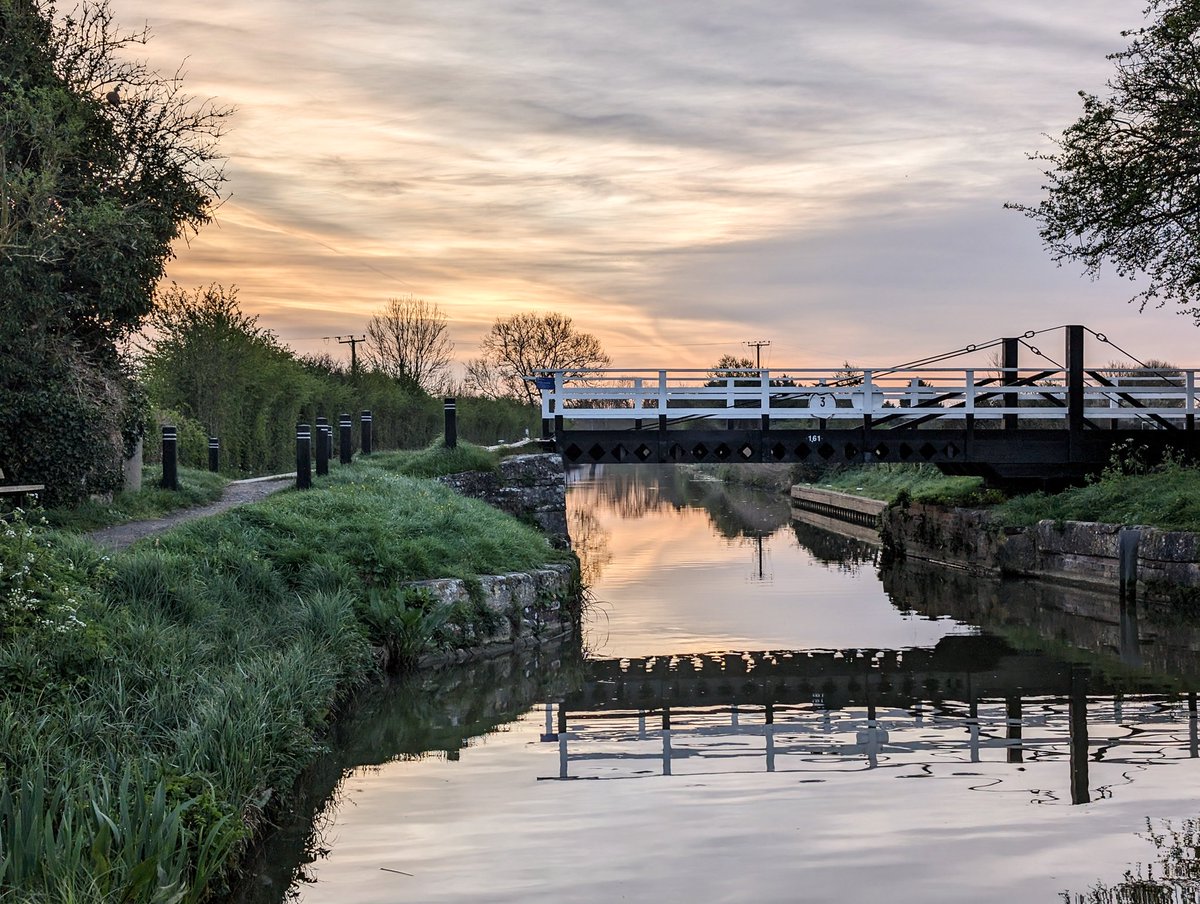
{"type": "Point", "coordinates": [211, 370]}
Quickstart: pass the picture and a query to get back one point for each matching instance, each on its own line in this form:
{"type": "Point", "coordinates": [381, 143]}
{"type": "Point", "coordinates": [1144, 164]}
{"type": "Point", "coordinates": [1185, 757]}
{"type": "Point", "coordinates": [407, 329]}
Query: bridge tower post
{"type": "Point", "coordinates": [1074, 354]}
{"type": "Point", "coordinates": [1008, 362]}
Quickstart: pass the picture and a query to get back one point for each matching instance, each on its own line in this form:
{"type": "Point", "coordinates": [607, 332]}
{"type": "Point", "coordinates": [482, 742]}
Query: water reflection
{"type": "Point", "coordinates": [436, 713]}
{"type": "Point", "coordinates": [635, 491]}
{"type": "Point", "coordinates": [1178, 871]}
{"type": "Point", "coordinates": [918, 713]}
{"type": "Point", "coordinates": [1102, 628]}
{"type": "Point", "coordinates": [693, 565]}
{"type": "Point", "coordinates": [850, 728]}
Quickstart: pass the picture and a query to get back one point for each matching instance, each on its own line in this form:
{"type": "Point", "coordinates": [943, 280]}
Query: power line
{"type": "Point", "coordinates": [351, 341]}
{"type": "Point", "coordinates": [757, 344]}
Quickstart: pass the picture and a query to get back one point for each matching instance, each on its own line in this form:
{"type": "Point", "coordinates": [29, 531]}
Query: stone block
{"type": "Point", "coordinates": [1077, 538]}
{"type": "Point", "coordinates": [1169, 546]}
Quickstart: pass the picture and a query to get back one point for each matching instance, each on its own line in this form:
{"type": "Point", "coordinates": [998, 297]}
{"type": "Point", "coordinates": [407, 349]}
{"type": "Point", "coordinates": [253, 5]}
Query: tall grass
{"type": "Point", "coordinates": [196, 487]}
{"type": "Point", "coordinates": [1167, 497]}
{"type": "Point", "coordinates": [922, 483]}
{"type": "Point", "coordinates": [435, 460]}
{"type": "Point", "coordinates": [144, 739]}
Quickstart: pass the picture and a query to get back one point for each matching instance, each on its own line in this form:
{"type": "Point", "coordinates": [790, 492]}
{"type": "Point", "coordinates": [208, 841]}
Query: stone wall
{"type": "Point", "coordinates": [535, 607]}
{"type": "Point", "coordinates": [532, 488]}
{"type": "Point", "coordinates": [1088, 554]}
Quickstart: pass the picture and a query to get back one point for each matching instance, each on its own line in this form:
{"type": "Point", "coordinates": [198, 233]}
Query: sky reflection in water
{"type": "Point", "coordinates": [938, 765]}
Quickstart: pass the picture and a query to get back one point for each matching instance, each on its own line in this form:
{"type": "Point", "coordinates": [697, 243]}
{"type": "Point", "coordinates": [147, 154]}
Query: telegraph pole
{"type": "Point", "coordinates": [352, 341]}
{"type": "Point", "coordinates": [757, 345]}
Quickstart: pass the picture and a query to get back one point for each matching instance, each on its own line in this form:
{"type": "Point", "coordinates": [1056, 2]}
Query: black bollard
{"type": "Point", "coordinates": [214, 454]}
{"type": "Point", "coordinates": [345, 426]}
{"type": "Point", "coordinates": [303, 457]}
{"type": "Point", "coordinates": [366, 433]}
{"type": "Point", "coordinates": [322, 447]}
{"type": "Point", "coordinates": [170, 458]}
{"type": "Point", "coordinates": [451, 424]}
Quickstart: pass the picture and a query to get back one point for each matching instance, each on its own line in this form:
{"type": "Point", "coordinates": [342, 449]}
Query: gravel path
{"type": "Point", "coordinates": [237, 492]}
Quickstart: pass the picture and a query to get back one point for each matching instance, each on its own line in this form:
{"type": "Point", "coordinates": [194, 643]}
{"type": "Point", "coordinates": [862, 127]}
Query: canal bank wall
{"type": "Point", "coordinates": [527, 609]}
{"type": "Point", "coordinates": [531, 488]}
{"type": "Point", "coordinates": [1164, 565]}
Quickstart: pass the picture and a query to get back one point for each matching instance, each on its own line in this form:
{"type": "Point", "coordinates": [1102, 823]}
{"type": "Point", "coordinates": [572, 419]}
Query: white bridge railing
{"type": "Point", "coordinates": [1149, 396]}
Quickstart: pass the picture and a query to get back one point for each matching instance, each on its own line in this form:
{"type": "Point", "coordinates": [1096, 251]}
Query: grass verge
{"type": "Point", "coordinates": [1168, 497]}
{"type": "Point", "coordinates": [153, 705]}
{"type": "Point", "coordinates": [1165, 496]}
{"type": "Point", "coordinates": [435, 460]}
{"type": "Point", "coordinates": [151, 501]}
{"type": "Point", "coordinates": [922, 483]}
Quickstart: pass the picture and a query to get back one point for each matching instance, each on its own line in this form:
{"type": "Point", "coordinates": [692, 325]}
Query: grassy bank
{"type": "Point", "coordinates": [153, 705]}
{"type": "Point", "coordinates": [1168, 497]}
{"type": "Point", "coordinates": [921, 483]}
{"type": "Point", "coordinates": [1165, 496]}
{"type": "Point", "coordinates": [151, 501]}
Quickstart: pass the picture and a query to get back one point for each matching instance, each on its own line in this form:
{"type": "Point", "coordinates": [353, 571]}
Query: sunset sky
{"type": "Point", "coordinates": [678, 176]}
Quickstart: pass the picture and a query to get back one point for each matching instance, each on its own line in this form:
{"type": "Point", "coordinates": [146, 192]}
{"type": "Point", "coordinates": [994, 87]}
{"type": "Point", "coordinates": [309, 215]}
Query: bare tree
{"type": "Point", "coordinates": [518, 345]}
{"type": "Point", "coordinates": [408, 341]}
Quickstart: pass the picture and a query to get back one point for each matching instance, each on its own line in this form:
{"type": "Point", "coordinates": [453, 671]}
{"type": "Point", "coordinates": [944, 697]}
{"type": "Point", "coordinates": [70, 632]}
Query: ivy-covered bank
{"type": "Point", "coordinates": [155, 704]}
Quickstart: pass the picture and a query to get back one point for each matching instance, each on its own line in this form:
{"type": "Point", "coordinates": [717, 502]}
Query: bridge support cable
{"type": "Point", "coordinates": [1044, 423]}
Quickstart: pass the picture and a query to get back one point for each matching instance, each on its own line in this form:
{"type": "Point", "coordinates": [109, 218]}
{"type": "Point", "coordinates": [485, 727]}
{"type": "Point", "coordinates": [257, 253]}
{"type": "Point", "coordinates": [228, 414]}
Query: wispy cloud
{"type": "Point", "coordinates": [671, 174]}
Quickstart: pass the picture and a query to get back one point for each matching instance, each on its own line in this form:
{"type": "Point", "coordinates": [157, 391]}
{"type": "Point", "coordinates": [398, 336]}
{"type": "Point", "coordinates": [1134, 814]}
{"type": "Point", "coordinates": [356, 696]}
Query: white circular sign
{"type": "Point", "coordinates": [822, 402]}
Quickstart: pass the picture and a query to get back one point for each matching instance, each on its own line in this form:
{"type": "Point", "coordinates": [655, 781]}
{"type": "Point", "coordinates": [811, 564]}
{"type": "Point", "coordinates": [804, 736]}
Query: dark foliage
{"type": "Point", "coordinates": [1124, 185]}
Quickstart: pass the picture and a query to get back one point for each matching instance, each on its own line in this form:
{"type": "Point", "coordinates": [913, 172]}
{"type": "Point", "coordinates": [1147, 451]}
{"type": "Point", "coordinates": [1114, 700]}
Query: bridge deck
{"type": "Point", "coordinates": [1006, 422]}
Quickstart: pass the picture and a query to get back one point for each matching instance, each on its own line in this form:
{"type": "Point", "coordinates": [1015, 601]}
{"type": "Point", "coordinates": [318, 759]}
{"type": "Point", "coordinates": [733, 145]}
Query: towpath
{"type": "Point", "coordinates": [237, 492]}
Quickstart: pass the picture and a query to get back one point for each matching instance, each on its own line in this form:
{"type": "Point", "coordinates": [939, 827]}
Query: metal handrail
{"type": "Point", "coordinates": [986, 393]}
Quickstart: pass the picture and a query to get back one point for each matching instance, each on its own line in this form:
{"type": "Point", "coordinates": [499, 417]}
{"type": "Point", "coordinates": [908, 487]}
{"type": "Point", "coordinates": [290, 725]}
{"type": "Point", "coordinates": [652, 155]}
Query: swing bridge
{"type": "Point", "coordinates": [1007, 420]}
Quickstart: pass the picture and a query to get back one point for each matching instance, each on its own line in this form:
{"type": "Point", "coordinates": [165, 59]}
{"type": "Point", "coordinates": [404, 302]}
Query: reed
{"type": "Point", "coordinates": [143, 741]}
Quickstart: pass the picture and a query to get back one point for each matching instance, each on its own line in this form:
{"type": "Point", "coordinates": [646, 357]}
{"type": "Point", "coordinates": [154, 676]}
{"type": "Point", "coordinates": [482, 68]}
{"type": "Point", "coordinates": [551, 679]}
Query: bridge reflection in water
{"type": "Point", "coordinates": [970, 709]}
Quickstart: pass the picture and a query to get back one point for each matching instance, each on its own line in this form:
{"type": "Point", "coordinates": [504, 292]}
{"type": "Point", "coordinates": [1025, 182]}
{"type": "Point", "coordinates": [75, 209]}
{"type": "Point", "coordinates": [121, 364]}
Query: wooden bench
{"type": "Point", "coordinates": [20, 491]}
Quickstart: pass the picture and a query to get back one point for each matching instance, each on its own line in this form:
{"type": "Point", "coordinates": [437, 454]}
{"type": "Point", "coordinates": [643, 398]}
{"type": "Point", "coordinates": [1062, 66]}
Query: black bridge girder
{"type": "Point", "coordinates": [999, 455]}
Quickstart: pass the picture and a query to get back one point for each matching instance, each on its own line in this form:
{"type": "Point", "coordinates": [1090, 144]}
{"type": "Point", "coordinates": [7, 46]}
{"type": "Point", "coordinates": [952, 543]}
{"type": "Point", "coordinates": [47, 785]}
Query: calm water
{"type": "Point", "coordinates": [764, 712]}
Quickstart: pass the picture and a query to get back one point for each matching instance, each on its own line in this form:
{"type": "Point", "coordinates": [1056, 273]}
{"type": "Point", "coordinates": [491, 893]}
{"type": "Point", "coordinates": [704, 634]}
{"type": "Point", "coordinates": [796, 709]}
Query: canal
{"type": "Point", "coordinates": [764, 710]}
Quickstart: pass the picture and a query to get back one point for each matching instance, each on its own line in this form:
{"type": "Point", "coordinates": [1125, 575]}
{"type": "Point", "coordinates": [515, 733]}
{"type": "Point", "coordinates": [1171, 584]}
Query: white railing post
{"type": "Point", "coordinates": [662, 392]}
{"type": "Point", "coordinates": [1191, 392]}
{"type": "Point", "coordinates": [764, 377]}
{"type": "Point", "coordinates": [868, 394]}
{"type": "Point", "coordinates": [970, 409]}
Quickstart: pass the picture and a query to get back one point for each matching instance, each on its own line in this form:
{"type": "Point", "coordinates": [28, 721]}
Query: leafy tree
{"type": "Point", "coordinates": [211, 367]}
{"type": "Point", "coordinates": [205, 354]}
{"type": "Point", "coordinates": [95, 185]}
{"type": "Point", "coordinates": [1124, 184]}
{"type": "Point", "coordinates": [409, 342]}
{"type": "Point", "coordinates": [520, 344]}
{"type": "Point", "coordinates": [731, 366]}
